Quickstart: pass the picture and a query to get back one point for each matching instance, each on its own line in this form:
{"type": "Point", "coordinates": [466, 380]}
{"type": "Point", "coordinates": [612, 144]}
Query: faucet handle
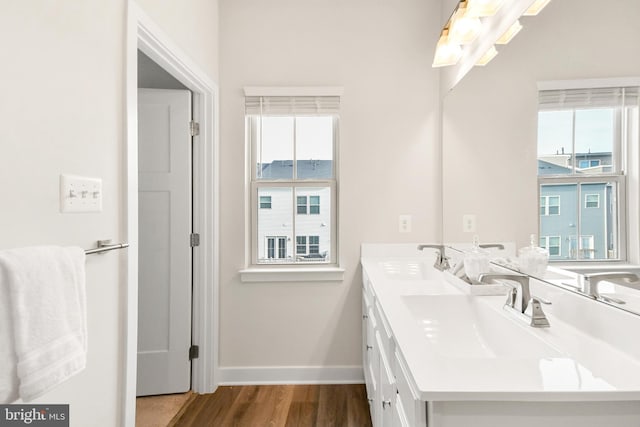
{"type": "Point", "coordinates": [538, 318]}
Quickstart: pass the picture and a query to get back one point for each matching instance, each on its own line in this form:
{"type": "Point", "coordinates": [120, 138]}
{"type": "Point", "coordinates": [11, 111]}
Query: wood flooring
{"type": "Point", "coordinates": [278, 406]}
{"type": "Point", "coordinates": [158, 411]}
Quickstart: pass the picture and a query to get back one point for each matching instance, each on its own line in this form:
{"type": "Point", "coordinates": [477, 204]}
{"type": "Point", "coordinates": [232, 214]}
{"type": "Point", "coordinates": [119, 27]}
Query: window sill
{"type": "Point", "coordinates": [306, 274]}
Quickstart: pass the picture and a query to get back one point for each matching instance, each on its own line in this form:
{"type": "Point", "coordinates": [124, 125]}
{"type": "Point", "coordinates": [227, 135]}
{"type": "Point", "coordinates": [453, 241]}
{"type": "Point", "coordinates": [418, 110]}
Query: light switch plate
{"type": "Point", "coordinates": [80, 194]}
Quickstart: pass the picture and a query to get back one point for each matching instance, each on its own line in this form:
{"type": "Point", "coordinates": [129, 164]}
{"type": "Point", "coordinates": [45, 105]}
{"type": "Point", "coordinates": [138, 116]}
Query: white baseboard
{"type": "Point", "coordinates": [255, 375]}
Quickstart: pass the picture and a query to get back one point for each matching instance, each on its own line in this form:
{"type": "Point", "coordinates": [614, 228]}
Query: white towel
{"type": "Point", "coordinates": [43, 329]}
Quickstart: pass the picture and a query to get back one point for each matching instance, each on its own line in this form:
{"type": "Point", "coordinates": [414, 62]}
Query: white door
{"type": "Point", "coordinates": [164, 196]}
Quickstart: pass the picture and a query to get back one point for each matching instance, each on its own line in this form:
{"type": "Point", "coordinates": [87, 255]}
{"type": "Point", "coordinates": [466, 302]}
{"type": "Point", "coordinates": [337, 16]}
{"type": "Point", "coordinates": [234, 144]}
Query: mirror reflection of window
{"type": "Point", "coordinates": [582, 141]}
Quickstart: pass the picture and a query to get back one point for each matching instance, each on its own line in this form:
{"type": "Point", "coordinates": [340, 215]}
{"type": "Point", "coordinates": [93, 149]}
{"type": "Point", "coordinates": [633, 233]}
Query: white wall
{"type": "Point", "coordinates": [151, 75]}
{"type": "Point", "coordinates": [490, 118]}
{"type": "Point", "coordinates": [62, 109]}
{"type": "Point", "coordinates": [381, 53]}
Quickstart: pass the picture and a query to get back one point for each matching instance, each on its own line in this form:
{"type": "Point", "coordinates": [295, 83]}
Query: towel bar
{"type": "Point", "coordinates": [103, 247]}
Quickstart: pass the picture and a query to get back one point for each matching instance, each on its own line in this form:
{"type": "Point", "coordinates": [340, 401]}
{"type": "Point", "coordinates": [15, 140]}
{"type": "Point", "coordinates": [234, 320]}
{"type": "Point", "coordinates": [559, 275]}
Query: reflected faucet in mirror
{"type": "Point", "coordinates": [442, 261]}
{"type": "Point", "coordinates": [590, 284]}
{"type": "Point", "coordinates": [492, 245]}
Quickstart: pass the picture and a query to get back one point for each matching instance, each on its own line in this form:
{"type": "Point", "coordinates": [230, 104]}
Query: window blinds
{"type": "Point", "coordinates": [564, 99]}
{"type": "Point", "coordinates": [275, 105]}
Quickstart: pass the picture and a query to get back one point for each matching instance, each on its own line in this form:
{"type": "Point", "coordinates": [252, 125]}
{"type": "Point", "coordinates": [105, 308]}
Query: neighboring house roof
{"type": "Point", "coordinates": [548, 168]}
{"type": "Point", "coordinates": [307, 169]}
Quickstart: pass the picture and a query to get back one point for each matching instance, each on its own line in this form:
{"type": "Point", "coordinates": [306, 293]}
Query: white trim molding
{"type": "Point", "coordinates": [293, 91]}
{"type": "Point", "coordinates": [254, 375]}
{"type": "Point", "coordinates": [144, 35]}
{"type": "Point", "coordinates": [588, 83]}
{"type": "Point", "coordinates": [318, 274]}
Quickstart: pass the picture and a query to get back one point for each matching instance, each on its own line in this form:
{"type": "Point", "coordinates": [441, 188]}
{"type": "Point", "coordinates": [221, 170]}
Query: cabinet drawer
{"type": "Point", "coordinates": [414, 409]}
{"type": "Point", "coordinates": [387, 343]}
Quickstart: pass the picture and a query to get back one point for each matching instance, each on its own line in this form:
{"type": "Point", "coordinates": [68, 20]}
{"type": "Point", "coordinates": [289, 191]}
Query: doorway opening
{"type": "Point", "coordinates": [143, 35]}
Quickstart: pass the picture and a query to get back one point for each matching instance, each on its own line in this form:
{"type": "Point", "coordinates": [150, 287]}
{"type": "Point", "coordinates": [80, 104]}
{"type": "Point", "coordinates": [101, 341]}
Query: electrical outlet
{"type": "Point", "coordinates": [469, 223]}
{"type": "Point", "coordinates": [404, 223]}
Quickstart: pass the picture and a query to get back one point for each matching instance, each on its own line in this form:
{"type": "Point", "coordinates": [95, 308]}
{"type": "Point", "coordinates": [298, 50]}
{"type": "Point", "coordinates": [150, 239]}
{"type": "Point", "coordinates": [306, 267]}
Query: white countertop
{"type": "Point", "coordinates": [461, 347]}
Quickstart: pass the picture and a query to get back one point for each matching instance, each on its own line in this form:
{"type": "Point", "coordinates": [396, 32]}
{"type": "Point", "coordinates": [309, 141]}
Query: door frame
{"type": "Point", "coordinates": [143, 34]}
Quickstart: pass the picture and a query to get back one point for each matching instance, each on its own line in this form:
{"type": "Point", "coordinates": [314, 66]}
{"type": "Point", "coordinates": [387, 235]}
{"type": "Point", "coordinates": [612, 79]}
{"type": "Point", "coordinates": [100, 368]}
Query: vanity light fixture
{"type": "Point", "coordinates": [536, 7]}
{"type": "Point", "coordinates": [487, 57]}
{"type": "Point", "coordinates": [447, 52]}
{"type": "Point", "coordinates": [480, 8]}
{"type": "Point", "coordinates": [464, 27]}
{"type": "Point", "coordinates": [510, 33]}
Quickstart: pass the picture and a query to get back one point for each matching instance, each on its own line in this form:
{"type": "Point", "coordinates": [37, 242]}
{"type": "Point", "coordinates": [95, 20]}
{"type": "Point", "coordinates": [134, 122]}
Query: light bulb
{"type": "Point", "coordinates": [479, 8]}
{"type": "Point", "coordinates": [510, 33]}
{"type": "Point", "coordinates": [464, 28]}
{"type": "Point", "coordinates": [487, 57]}
{"type": "Point", "coordinates": [536, 7]}
{"type": "Point", "coordinates": [447, 53]}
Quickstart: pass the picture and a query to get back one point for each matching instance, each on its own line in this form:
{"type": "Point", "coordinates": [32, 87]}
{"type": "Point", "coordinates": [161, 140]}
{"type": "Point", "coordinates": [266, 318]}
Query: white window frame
{"type": "Point", "coordinates": [547, 239]}
{"type": "Point", "coordinates": [298, 271]}
{"type": "Point", "coordinates": [586, 196]}
{"type": "Point", "coordinates": [620, 164]}
{"type": "Point", "coordinates": [589, 165]}
{"type": "Point", "coordinates": [547, 205]}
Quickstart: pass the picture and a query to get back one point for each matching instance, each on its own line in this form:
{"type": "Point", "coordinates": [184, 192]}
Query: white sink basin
{"type": "Point", "coordinates": [462, 327]}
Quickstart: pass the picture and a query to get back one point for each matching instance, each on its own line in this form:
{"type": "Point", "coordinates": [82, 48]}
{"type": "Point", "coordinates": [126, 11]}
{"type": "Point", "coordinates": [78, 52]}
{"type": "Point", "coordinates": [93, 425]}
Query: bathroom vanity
{"type": "Point", "coordinates": [436, 353]}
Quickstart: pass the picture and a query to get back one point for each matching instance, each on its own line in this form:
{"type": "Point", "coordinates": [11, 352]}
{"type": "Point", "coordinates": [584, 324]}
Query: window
{"type": "Point", "coordinates": [276, 247]}
{"type": "Point", "coordinates": [587, 247]}
{"type": "Point", "coordinates": [552, 244]}
{"type": "Point", "coordinates": [301, 245]}
{"type": "Point", "coordinates": [265, 202]}
{"type": "Point", "coordinates": [308, 247]}
{"type": "Point", "coordinates": [583, 164]}
{"type": "Point", "coordinates": [293, 141]}
{"type": "Point", "coordinates": [308, 205]}
{"type": "Point", "coordinates": [583, 136]}
{"type": "Point", "coordinates": [591, 200]}
{"type": "Point", "coordinates": [549, 205]}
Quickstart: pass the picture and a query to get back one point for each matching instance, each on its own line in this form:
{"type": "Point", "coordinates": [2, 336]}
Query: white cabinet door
{"type": "Point", "coordinates": [164, 297]}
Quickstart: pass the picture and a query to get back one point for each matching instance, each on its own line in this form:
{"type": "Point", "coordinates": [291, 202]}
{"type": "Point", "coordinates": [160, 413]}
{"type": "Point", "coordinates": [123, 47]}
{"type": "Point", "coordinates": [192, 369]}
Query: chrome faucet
{"type": "Point", "coordinates": [538, 318]}
{"type": "Point", "coordinates": [590, 283]}
{"type": "Point", "coordinates": [442, 261]}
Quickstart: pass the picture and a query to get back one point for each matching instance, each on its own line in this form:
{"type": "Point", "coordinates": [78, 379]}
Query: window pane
{"type": "Point", "coordinates": [314, 147]}
{"type": "Point", "coordinates": [598, 221]}
{"type": "Point", "coordinates": [265, 202]}
{"type": "Point", "coordinates": [274, 147]}
{"type": "Point", "coordinates": [314, 205]}
{"type": "Point", "coordinates": [563, 224]}
{"type": "Point", "coordinates": [594, 139]}
{"type": "Point", "coordinates": [302, 204]}
{"type": "Point", "coordinates": [317, 226]}
{"type": "Point", "coordinates": [555, 142]}
{"type": "Point", "coordinates": [301, 245]}
{"type": "Point", "coordinates": [275, 226]}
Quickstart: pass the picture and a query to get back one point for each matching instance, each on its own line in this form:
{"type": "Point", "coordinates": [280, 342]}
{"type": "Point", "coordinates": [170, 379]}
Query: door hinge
{"type": "Point", "coordinates": [195, 239]}
{"type": "Point", "coordinates": [194, 128]}
{"type": "Point", "coordinates": [194, 352]}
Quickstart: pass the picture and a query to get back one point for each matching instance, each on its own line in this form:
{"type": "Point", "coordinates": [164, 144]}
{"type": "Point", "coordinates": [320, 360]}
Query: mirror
{"type": "Point", "coordinates": [490, 119]}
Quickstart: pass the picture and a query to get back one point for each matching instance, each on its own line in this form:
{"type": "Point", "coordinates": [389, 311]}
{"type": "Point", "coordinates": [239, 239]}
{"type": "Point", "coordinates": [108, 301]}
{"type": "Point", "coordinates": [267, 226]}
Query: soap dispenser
{"type": "Point", "coordinates": [476, 261]}
{"type": "Point", "coordinates": [533, 259]}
